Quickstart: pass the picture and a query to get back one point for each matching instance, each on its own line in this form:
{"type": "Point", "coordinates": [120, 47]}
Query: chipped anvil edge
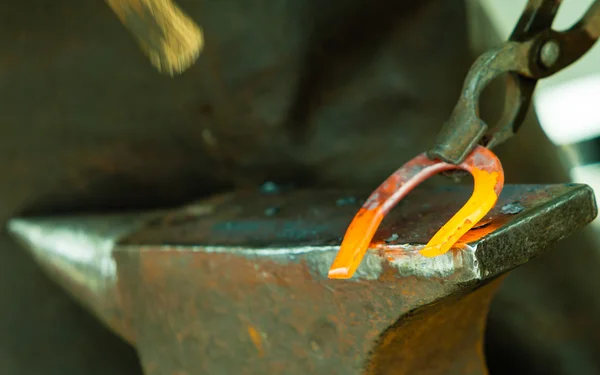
{"type": "Point", "coordinates": [460, 264]}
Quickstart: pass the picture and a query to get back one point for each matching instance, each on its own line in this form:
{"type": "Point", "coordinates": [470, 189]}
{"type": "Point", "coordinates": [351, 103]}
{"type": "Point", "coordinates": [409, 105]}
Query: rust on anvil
{"type": "Point", "coordinates": [457, 322]}
{"type": "Point", "coordinates": [218, 286]}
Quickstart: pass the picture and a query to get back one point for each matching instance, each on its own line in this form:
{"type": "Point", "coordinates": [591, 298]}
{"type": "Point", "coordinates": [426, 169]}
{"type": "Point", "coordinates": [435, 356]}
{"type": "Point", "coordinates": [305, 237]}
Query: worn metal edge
{"type": "Point", "coordinates": [577, 208]}
{"type": "Point", "coordinates": [492, 257]}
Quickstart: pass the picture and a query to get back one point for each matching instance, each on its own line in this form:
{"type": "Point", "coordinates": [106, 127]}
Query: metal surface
{"type": "Point", "coordinates": [549, 53]}
{"type": "Point", "coordinates": [220, 286]}
{"type": "Point", "coordinates": [534, 51]}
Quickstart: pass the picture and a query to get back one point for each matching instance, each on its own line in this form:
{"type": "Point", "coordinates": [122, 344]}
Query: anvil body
{"type": "Point", "coordinates": [238, 283]}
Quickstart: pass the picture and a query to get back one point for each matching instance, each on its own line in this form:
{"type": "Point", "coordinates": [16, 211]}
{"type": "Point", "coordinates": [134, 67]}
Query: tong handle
{"type": "Point", "coordinates": [534, 51]}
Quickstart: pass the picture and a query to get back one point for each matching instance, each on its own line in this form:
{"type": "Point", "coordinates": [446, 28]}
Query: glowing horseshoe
{"type": "Point", "coordinates": [488, 178]}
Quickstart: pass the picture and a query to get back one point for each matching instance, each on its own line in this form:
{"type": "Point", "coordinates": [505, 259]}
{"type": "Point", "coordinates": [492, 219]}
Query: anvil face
{"type": "Point", "coordinates": [238, 283]}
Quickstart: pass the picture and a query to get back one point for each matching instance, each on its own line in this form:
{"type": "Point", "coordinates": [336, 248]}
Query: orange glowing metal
{"type": "Point", "coordinates": [488, 178]}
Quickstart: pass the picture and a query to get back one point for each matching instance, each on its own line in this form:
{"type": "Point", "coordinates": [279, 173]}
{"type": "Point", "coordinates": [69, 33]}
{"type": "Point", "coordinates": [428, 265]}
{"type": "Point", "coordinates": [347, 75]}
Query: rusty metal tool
{"type": "Point", "coordinates": [534, 51]}
{"type": "Point", "coordinates": [237, 284]}
{"type": "Point", "coordinates": [169, 37]}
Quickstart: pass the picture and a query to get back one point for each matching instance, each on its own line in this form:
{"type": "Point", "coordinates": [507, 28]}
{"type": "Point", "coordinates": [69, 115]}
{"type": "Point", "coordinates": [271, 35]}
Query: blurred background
{"type": "Point", "coordinates": [317, 93]}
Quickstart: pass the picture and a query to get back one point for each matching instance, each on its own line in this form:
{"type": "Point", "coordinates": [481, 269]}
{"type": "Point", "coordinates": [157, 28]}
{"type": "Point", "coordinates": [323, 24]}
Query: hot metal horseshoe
{"type": "Point", "coordinates": [488, 178]}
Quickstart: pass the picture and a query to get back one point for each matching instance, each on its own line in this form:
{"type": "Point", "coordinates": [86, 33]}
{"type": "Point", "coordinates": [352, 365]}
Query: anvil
{"type": "Point", "coordinates": [237, 283]}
